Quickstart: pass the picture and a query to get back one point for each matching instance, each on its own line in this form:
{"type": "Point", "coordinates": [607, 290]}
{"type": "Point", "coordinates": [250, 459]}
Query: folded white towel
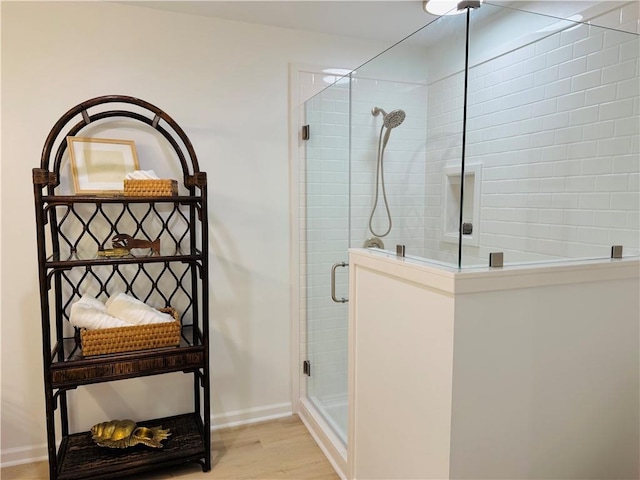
{"type": "Point", "coordinates": [133, 311]}
{"type": "Point", "coordinates": [85, 315]}
{"type": "Point", "coordinates": [92, 302]}
{"type": "Point", "coordinates": [142, 175]}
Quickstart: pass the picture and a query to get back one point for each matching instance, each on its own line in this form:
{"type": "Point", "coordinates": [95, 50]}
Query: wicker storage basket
{"type": "Point", "coordinates": [151, 188]}
{"type": "Point", "coordinates": [128, 339]}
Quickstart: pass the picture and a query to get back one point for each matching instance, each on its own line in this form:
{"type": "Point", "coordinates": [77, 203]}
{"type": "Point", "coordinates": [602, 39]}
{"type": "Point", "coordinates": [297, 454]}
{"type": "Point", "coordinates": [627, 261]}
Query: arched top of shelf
{"type": "Point", "coordinates": [133, 108]}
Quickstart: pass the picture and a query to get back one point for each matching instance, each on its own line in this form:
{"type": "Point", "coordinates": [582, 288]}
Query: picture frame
{"type": "Point", "coordinates": [99, 165]}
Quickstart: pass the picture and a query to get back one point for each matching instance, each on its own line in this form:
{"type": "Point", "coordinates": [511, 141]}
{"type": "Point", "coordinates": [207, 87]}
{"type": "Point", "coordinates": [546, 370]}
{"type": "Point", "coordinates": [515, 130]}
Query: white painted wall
{"type": "Point", "coordinates": [225, 83]}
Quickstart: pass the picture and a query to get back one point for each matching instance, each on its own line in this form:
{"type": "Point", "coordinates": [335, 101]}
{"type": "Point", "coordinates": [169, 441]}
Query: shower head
{"type": "Point", "coordinates": [391, 119]}
{"type": "Point", "coordinates": [394, 119]}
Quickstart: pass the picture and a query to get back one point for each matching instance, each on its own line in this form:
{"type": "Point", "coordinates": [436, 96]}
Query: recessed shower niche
{"type": "Point", "coordinates": [454, 195]}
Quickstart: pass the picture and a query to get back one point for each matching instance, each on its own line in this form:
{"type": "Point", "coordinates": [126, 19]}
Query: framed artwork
{"type": "Point", "coordinates": [99, 165]}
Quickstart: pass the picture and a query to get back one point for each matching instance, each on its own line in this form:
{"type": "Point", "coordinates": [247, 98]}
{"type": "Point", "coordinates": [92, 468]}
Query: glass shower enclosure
{"type": "Point", "coordinates": [519, 136]}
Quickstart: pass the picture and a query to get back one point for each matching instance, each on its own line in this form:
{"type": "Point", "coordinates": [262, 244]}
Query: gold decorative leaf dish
{"type": "Point", "coordinates": [126, 433]}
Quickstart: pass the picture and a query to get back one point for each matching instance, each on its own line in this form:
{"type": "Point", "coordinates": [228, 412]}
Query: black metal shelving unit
{"type": "Point", "coordinates": [70, 231]}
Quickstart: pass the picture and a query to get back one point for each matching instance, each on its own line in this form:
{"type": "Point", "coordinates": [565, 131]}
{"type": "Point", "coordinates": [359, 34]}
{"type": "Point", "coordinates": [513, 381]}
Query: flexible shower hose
{"type": "Point", "coordinates": [380, 180]}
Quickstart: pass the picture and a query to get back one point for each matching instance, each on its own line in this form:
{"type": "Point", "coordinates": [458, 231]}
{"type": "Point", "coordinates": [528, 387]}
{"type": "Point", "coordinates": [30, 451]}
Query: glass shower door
{"type": "Point", "coordinates": [324, 190]}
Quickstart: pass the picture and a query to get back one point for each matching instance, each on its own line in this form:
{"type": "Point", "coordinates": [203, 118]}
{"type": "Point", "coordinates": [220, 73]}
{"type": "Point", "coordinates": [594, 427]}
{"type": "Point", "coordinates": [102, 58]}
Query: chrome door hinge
{"type": "Point", "coordinates": [306, 132]}
{"type": "Point", "coordinates": [306, 368]}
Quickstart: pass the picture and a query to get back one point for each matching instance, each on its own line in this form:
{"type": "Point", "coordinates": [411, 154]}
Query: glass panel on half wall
{"type": "Point", "coordinates": [406, 138]}
{"type": "Point", "coordinates": [552, 133]}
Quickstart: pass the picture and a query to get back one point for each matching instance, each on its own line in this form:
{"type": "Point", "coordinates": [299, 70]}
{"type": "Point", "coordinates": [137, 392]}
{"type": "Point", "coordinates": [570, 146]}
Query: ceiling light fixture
{"type": "Point", "coordinates": [337, 75]}
{"type": "Point", "coordinates": [448, 7]}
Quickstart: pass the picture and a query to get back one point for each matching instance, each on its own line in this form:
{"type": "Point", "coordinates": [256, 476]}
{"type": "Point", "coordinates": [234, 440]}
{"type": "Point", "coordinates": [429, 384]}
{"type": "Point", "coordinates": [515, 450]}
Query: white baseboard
{"type": "Point", "coordinates": [250, 415]}
{"type": "Point", "coordinates": [36, 453]}
{"type": "Point", "coordinates": [19, 455]}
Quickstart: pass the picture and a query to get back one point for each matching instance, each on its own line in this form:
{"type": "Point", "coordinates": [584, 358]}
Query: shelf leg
{"type": "Point", "coordinates": [51, 436]}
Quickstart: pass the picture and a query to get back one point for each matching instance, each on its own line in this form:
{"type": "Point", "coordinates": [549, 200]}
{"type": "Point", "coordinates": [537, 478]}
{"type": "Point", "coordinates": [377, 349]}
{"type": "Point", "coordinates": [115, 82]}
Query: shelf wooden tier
{"type": "Point", "coordinates": [65, 199]}
{"type": "Point", "coordinates": [77, 370]}
{"type": "Point", "coordinates": [84, 259]}
{"type": "Point", "coordinates": [79, 457]}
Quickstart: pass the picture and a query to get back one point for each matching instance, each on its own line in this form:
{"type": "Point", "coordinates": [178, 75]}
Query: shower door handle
{"type": "Point", "coordinates": [333, 282]}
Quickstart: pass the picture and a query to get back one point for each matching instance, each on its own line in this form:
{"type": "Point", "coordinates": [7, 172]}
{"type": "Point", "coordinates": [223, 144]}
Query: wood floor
{"type": "Point", "coordinates": [278, 449]}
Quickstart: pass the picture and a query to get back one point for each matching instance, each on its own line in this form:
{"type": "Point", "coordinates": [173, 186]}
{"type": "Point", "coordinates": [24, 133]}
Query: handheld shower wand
{"type": "Point", "coordinates": [390, 121]}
